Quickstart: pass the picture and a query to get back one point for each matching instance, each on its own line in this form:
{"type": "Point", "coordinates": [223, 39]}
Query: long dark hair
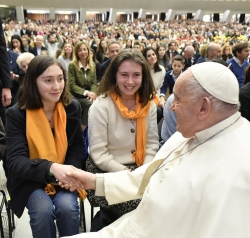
{"type": "Point", "coordinates": [165, 57]}
{"type": "Point", "coordinates": [100, 50]}
{"type": "Point", "coordinates": [156, 65]}
{"type": "Point", "coordinates": [28, 94]}
{"type": "Point", "coordinates": [108, 82]}
{"type": "Point", "coordinates": [17, 37]}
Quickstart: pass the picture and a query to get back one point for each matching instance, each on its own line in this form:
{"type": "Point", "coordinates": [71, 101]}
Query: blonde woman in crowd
{"type": "Point", "coordinates": [82, 79]}
{"type": "Point", "coordinates": [66, 56]}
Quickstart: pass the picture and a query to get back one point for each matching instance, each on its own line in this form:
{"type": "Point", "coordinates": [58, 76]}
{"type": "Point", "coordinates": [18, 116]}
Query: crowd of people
{"type": "Point", "coordinates": [114, 80]}
{"type": "Point", "coordinates": [146, 31]}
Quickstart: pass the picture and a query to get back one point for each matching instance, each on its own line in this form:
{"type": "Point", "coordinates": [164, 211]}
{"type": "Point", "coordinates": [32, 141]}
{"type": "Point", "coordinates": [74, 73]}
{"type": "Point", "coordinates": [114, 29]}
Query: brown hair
{"type": "Point", "coordinates": [28, 95]}
{"type": "Point", "coordinates": [239, 47]}
{"type": "Point", "coordinates": [108, 82]}
{"type": "Point", "coordinates": [100, 50]}
{"type": "Point", "coordinates": [179, 58]}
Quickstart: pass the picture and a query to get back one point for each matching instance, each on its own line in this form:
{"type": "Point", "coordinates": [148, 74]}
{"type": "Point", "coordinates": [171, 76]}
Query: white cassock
{"type": "Point", "coordinates": [204, 193]}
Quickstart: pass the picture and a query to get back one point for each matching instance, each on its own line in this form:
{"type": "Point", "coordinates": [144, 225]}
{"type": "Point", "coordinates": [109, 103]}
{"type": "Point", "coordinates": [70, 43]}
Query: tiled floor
{"type": "Point", "coordinates": [22, 229]}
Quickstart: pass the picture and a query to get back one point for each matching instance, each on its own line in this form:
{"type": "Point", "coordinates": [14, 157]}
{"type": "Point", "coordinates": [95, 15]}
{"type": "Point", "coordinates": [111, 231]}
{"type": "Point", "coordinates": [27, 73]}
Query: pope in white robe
{"type": "Point", "coordinates": [198, 185]}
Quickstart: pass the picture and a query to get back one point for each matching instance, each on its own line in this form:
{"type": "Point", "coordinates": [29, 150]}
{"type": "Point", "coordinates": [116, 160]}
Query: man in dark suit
{"type": "Point", "coordinates": [16, 74]}
{"type": "Point", "coordinates": [36, 50]}
{"type": "Point", "coordinates": [171, 52]}
{"type": "Point", "coordinates": [114, 48]}
{"type": "Point", "coordinates": [5, 79]}
{"type": "Point", "coordinates": [188, 54]}
{"type": "Point", "coordinates": [26, 43]}
{"type": "Point", "coordinates": [25, 31]}
{"type": "Point", "coordinates": [33, 33]}
{"type": "Point", "coordinates": [197, 54]}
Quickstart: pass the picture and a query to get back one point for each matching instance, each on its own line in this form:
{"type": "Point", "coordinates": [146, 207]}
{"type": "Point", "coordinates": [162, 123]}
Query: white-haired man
{"type": "Point", "coordinates": [38, 48]}
{"type": "Point", "coordinates": [198, 184]}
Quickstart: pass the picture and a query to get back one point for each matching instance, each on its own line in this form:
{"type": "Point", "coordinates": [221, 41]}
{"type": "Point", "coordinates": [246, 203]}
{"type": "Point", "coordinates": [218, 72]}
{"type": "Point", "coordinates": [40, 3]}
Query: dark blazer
{"type": "Point", "coordinates": [34, 50]}
{"type": "Point", "coordinates": [12, 56]}
{"type": "Point", "coordinates": [175, 53]}
{"type": "Point", "coordinates": [224, 57]}
{"type": "Point", "coordinates": [196, 56]}
{"type": "Point", "coordinates": [5, 80]}
{"type": "Point", "coordinates": [27, 32]}
{"type": "Point", "coordinates": [103, 68]}
{"type": "Point", "coordinates": [168, 83]}
{"type": "Point", "coordinates": [188, 63]}
{"type": "Point", "coordinates": [26, 175]}
{"type": "Point", "coordinates": [33, 33]}
{"type": "Point", "coordinates": [97, 69]}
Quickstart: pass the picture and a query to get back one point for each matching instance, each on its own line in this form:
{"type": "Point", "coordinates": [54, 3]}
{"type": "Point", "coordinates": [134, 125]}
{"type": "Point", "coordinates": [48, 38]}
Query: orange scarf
{"type": "Point", "coordinates": [156, 100]}
{"type": "Point", "coordinates": [139, 113]}
{"type": "Point", "coordinates": [41, 142]}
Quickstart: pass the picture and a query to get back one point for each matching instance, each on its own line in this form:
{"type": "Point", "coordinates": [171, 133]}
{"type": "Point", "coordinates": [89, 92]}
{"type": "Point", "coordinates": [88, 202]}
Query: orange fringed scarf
{"type": "Point", "coordinates": [41, 142]}
{"type": "Point", "coordinates": [139, 113]}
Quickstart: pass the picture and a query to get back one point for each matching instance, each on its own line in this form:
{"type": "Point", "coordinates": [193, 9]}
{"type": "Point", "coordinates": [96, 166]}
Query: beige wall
{"type": "Point", "coordinates": [210, 6]}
